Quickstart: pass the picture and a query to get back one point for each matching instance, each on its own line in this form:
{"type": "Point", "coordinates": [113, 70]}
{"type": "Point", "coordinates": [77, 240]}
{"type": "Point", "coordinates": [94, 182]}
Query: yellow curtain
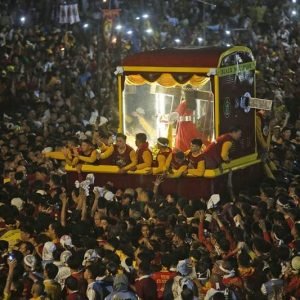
{"type": "Point", "coordinates": [166, 80]}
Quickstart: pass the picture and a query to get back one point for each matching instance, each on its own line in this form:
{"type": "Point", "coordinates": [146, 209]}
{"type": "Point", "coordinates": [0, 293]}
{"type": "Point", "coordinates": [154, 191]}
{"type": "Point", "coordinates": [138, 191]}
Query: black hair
{"type": "Point", "coordinates": [58, 229]}
{"type": "Point", "coordinates": [187, 294]}
{"type": "Point", "coordinates": [71, 283]}
{"type": "Point", "coordinates": [144, 267]}
{"type": "Point", "coordinates": [74, 261]}
{"type": "Point", "coordinates": [179, 155]}
{"type": "Point", "coordinates": [51, 270]}
{"type": "Point", "coordinates": [163, 141]}
{"type": "Point", "coordinates": [275, 270]}
{"type": "Point", "coordinates": [141, 137]}
{"type": "Point", "coordinates": [197, 142]}
{"type": "Point", "coordinates": [121, 135]}
{"type": "Point", "coordinates": [93, 270]}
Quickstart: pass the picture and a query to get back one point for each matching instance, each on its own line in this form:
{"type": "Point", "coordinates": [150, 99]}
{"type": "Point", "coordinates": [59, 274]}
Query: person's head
{"type": "Point", "coordinates": [235, 132]}
{"type": "Point", "coordinates": [189, 94]}
{"type": "Point", "coordinates": [126, 199]}
{"type": "Point", "coordinates": [30, 263]}
{"type": "Point", "coordinates": [140, 139]}
{"type": "Point", "coordinates": [179, 157]}
{"type": "Point", "coordinates": [104, 223]}
{"type": "Point", "coordinates": [41, 174]}
{"type": "Point", "coordinates": [97, 219]}
{"type": "Point", "coordinates": [121, 140]}
{"type": "Point", "coordinates": [38, 289]}
{"type": "Point", "coordinates": [275, 270]}
{"type": "Point", "coordinates": [71, 284]}
{"type": "Point", "coordinates": [27, 232]}
{"type": "Point", "coordinates": [179, 236]}
{"type": "Point", "coordinates": [144, 268]}
{"type": "Point", "coordinates": [187, 294]}
{"type": "Point", "coordinates": [196, 145]}
{"type": "Point", "coordinates": [55, 230]}
{"type": "Point", "coordinates": [91, 272]}
{"type": "Point", "coordinates": [75, 262]}
{"type": "Point", "coordinates": [162, 143]}
{"type": "Point", "coordinates": [86, 146]}
{"type": "Point", "coordinates": [26, 248]}
{"type": "Point", "coordinates": [50, 271]}
{"type": "Point", "coordinates": [276, 131]}
{"type": "Point", "coordinates": [286, 133]}
{"type": "Point", "coordinates": [145, 231]}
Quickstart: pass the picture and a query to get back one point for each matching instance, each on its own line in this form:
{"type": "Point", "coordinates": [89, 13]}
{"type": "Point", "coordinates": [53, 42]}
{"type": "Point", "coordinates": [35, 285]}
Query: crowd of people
{"type": "Point", "coordinates": [107, 243]}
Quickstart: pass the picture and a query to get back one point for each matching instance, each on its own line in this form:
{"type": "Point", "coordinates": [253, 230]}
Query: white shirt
{"type": "Point", "coordinates": [90, 292]}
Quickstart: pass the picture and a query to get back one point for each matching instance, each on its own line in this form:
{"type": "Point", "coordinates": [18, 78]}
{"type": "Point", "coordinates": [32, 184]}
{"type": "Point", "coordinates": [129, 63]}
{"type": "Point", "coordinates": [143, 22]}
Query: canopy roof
{"type": "Point", "coordinates": [205, 57]}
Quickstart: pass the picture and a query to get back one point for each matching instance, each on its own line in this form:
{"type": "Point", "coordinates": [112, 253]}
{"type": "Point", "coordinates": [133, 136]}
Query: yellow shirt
{"type": "Point", "coordinates": [12, 237]}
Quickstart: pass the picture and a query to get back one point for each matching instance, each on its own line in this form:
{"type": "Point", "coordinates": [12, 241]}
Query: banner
{"type": "Point", "coordinates": [109, 16]}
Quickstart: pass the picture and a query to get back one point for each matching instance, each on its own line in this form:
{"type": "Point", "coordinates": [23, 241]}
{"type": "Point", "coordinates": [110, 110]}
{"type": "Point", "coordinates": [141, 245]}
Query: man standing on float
{"type": "Point", "coordinates": [186, 129]}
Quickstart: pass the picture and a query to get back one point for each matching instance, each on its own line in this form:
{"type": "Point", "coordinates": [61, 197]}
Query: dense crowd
{"type": "Point", "coordinates": [108, 243]}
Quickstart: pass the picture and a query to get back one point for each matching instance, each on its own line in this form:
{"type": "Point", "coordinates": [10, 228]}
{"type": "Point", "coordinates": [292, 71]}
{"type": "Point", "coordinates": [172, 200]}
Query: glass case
{"type": "Point", "coordinates": [180, 112]}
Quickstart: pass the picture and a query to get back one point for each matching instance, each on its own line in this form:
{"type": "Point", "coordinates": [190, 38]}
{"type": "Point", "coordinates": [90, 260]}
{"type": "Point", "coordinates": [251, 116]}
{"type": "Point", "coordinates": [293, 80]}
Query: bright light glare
{"type": "Point", "coordinates": [177, 41]}
{"type": "Point", "coordinates": [23, 19]}
{"type": "Point", "coordinates": [200, 39]}
{"type": "Point", "coordinates": [227, 32]}
{"type": "Point", "coordinates": [129, 32]}
{"type": "Point", "coordinates": [294, 12]}
{"type": "Point", "coordinates": [86, 25]}
{"type": "Point", "coordinates": [149, 30]}
{"type": "Point", "coordinates": [137, 18]}
{"type": "Point", "coordinates": [228, 45]}
{"type": "Point", "coordinates": [294, 1]}
{"type": "Point", "coordinates": [119, 27]}
{"type": "Point", "coordinates": [145, 16]}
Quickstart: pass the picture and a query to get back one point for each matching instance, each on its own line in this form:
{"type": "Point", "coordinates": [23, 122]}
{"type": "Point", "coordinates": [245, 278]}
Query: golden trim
{"type": "Point", "coordinates": [232, 50]}
{"type": "Point", "coordinates": [166, 69]}
{"type": "Point", "coordinates": [236, 164]}
{"type": "Point", "coordinates": [217, 106]}
{"type": "Point", "coordinates": [120, 103]}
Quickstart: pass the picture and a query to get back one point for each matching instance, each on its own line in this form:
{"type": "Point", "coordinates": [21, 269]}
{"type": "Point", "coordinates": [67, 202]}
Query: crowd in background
{"type": "Point", "coordinates": [124, 244]}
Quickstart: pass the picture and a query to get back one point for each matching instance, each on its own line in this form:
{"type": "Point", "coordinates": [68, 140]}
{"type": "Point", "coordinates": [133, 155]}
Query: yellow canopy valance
{"type": "Point", "coordinates": [167, 80]}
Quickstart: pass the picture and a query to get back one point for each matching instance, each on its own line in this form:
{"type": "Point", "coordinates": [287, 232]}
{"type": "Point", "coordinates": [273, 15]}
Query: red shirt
{"type": "Point", "coordinates": [161, 278]}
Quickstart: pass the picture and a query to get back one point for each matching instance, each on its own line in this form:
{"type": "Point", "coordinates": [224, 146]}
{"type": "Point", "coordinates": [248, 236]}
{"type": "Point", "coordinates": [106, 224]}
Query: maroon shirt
{"type": "Point", "coordinates": [141, 151]}
{"type": "Point", "coordinates": [177, 165]}
{"type": "Point", "coordinates": [213, 151]}
{"type": "Point", "coordinates": [121, 159]}
{"type": "Point", "coordinates": [146, 288]}
{"type": "Point", "coordinates": [194, 160]}
{"type": "Point", "coordinates": [164, 153]}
